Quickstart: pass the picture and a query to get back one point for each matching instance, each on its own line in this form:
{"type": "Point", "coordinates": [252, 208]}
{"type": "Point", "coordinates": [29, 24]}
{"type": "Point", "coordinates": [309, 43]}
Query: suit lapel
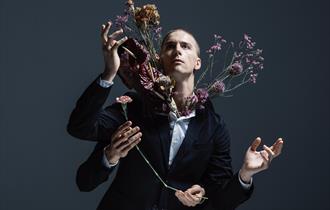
{"type": "Point", "coordinates": [164, 137]}
{"type": "Point", "coordinates": [191, 134]}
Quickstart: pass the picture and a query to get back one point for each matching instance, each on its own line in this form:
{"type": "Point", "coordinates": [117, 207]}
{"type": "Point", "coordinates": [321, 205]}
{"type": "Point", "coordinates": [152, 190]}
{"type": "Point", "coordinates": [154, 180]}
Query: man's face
{"type": "Point", "coordinates": [179, 55]}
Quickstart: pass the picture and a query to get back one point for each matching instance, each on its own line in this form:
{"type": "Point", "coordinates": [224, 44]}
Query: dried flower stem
{"type": "Point", "coordinates": [129, 52]}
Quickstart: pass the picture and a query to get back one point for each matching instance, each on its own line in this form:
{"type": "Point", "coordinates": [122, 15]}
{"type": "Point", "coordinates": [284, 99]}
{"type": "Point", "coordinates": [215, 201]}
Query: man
{"type": "Point", "coordinates": [191, 153]}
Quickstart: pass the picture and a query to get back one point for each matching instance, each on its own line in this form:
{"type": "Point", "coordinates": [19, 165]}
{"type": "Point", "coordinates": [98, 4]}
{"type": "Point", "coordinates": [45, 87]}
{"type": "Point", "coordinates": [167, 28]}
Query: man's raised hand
{"type": "Point", "coordinates": [110, 51]}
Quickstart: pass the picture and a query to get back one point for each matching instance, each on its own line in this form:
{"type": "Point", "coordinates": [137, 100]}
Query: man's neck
{"type": "Point", "coordinates": [183, 90]}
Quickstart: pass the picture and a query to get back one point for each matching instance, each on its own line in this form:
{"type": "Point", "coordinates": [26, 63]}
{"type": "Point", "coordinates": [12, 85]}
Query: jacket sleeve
{"type": "Point", "coordinates": [89, 120]}
{"type": "Point", "coordinates": [222, 186]}
{"type": "Point", "coordinates": [92, 172]}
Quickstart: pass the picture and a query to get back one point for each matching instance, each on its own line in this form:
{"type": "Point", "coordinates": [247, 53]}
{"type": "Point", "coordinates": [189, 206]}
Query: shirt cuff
{"type": "Point", "coordinates": [243, 184]}
{"type": "Point", "coordinates": [106, 163]}
{"type": "Point", "coordinates": [104, 83]}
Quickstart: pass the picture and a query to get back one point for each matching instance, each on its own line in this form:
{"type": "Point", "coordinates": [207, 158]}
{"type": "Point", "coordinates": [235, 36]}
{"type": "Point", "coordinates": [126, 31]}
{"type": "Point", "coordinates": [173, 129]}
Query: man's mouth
{"type": "Point", "coordinates": [177, 61]}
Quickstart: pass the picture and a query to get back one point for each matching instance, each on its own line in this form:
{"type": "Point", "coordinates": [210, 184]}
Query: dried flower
{"type": "Point", "coordinates": [121, 21]}
{"type": "Point", "coordinates": [235, 69]}
{"type": "Point", "coordinates": [202, 95]}
{"type": "Point", "coordinates": [253, 78]}
{"type": "Point", "coordinates": [238, 69]}
{"type": "Point", "coordinates": [217, 88]}
{"type": "Point", "coordinates": [147, 15]}
{"type": "Point", "coordinates": [130, 2]}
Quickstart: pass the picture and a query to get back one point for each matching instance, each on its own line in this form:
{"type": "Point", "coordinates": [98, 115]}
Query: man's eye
{"type": "Point", "coordinates": [185, 46]}
{"type": "Point", "coordinates": [170, 46]}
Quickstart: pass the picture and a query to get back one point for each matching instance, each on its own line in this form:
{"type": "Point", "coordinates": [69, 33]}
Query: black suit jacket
{"type": "Point", "coordinates": [203, 158]}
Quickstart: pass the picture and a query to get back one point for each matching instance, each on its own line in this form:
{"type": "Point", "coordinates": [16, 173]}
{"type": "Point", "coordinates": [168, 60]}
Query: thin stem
{"type": "Point", "coordinates": [237, 86]}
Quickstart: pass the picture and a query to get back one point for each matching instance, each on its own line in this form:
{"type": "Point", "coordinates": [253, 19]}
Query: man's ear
{"type": "Point", "coordinates": [198, 64]}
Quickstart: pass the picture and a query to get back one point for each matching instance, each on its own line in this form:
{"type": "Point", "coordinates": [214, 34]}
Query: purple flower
{"type": "Point", "coordinates": [216, 36]}
{"type": "Point", "coordinates": [185, 112]}
{"type": "Point", "coordinates": [253, 78]}
{"type": "Point", "coordinates": [235, 69]}
{"type": "Point", "coordinates": [249, 43]}
{"type": "Point", "coordinates": [121, 21]}
{"type": "Point", "coordinates": [259, 51]}
{"type": "Point", "coordinates": [158, 33]}
{"type": "Point", "coordinates": [218, 87]}
{"type": "Point", "coordinates": [214, 48]}
{"type": "Point", "coordinates": [247, 38]}
{"type": "Point", "coordinates": [202, 95]}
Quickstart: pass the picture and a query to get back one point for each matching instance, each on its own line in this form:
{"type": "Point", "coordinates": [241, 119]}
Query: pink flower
{"type": "Point", "coordinates": [235, 69]}
{"type": "Point", "coordinates": [218, 87]}
{"type": "Point", "coordinates": [124, 99]}
{"type": "Point", "coordinates": [202, 95]}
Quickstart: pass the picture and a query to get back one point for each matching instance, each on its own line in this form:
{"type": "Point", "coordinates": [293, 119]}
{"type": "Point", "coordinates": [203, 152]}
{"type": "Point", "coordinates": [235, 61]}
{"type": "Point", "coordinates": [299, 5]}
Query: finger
{"type": "Point", "coordinates": [130, 145]}
{"type": "Point", "coordinates": [115, 34]}
{"type": "Point", "coordinates": [199, 195]}
{"type": "Point", "coordinates": [195, 189]}
{"type": "Point", "coordinates": [120, 140]}
{"type": "Point", "coordinates": [269, 152]}
{"type": "Point", "coordinates": [134, 137]}
{"type": "Point", "coordinates": [121, 128]}
{"type": "Point", "coordinates": [111, 39]}
{"type": "Point", "coordinates": [120, 137]}
{"type": "Point", "coordinates": [105, 31]}
{"type": "Point", "coordinates": [193, 200]}
{"type": "Point", "coordinates": [277, 148]}
{"type": "Point", "coordinates": [276, 142]}
{"type": "Point", "coordinates": [124, 125]}
{"type": "Point", "coordinates": [182, 198]}
{"type": "Point", "coordinates": [131, 132]}
{"type": "Point", "coordinates": [264, 155]}
{"type": "Point", "coordinates": [189, 199]}
{"type": "Point", "coordinates": [255, 144]}
{"type": "Point", "coordinates": [119, 42]}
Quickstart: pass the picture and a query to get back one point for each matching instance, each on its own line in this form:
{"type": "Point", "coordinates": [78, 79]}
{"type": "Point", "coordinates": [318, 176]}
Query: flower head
{"type": "Point", "coordinates": [218, 87]}
{"type": "Point", "coordinates": [235, 68]}
{"type": "Point", "coordinates": [121, 21]}
{"type": "Point", "coordinates": [130, 2]}
{"type": "Point", "coordinates": [202, 95]}
{"type": "Point", "coordinates": [253, 78]}
{"type": "Point", "coordinates": [147, 15]}
{"type": "Point", "coordinates": [249, 43]}
{"type": "Point", "coordinates": [124, 99]}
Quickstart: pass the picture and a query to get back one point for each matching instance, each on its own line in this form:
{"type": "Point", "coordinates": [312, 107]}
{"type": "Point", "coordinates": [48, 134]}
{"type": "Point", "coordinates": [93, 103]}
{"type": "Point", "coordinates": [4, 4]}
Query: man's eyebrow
{"type": "Point", "coordinates": [182, 42]}
{"type": "Point", "coordinates": [169, 42]}
{"type": "Point", "coordinates": [187, 43]}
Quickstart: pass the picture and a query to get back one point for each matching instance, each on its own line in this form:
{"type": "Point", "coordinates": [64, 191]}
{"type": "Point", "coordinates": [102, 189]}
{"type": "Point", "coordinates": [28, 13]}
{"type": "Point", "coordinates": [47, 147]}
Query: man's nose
{"type": "Point", "coordinates": [178, 49]}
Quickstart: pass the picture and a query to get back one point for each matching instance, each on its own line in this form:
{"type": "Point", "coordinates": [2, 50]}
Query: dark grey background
{"type": "Point", "coordinates": [50, 52]}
